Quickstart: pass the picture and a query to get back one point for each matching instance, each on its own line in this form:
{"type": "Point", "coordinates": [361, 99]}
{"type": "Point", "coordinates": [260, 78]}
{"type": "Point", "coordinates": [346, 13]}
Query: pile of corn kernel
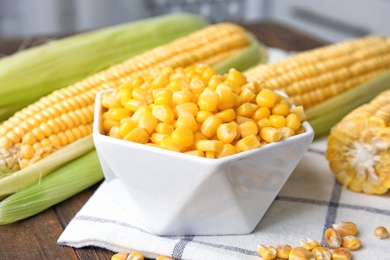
{"type": "Point", "coordinates": [195, 110]}
{"type": "Point", "coordinates": [341, 239]}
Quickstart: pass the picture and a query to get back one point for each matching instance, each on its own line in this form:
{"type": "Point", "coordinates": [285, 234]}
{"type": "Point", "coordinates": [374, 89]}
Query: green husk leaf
{"type": "Point", "coordinates": [324, 116]}
{"type": "Point", "coordinates": [63, 183]}
{"type": "Point", "coordinates": [32, 73]}
{"type": "Point", "coordinates": [34, 173]}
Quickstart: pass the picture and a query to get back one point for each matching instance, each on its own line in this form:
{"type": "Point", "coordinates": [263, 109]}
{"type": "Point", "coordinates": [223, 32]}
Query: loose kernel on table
{"type": "Point", "coordinates": [283, 251]}
{"type": "Point", "coordinates": [308, 243]}
{"type": "Point", "coordinates": [322, 253]}
{"type": "Point", "coordinates": [345, 228]}
{"type": "Point", "coordinates": [332, 238]}
{"type": "Point", "coordinates": [351, 242]}
{"type": "Point", "coordinates": [266, 252]}
{"type": "Point", "coordinates": [381, 232]}
{"type": "Point", "coordinates": [341, 253]}
{"type": "Point", "coordinates": [300, 253]}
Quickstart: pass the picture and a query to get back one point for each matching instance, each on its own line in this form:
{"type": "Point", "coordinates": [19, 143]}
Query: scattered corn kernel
{"type": "Point", "coordinates": [308, 243]}
{"type": "Point", "coordinates": [381, 232]}
{"type": "Point", "coordinates": [341, 253]}
{"type": "Point", "coordinates": [266, 252]}
{"type": "Point", "coordinates": [345, 228]}
{"type": "Point", "coordinates": [332, 238]}
{"type": "Point", "coordinates": [120, 256]}
{"type": "Point", "coordinates": [163, 257]}
{"type": "Point", "coordinates": [300, 253]}
{"type": "Point", "coordinates": [351, 242]}
{"type": "Point", "coordinates": [135, 256]}
{"type": "Point", "coordinates": [283, 251]}
{"type": "Point", "coordinates": [322, 253]}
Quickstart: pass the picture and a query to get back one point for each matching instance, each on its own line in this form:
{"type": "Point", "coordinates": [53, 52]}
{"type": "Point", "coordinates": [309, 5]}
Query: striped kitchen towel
{"type": "Point", "coordinates": [309, 203]}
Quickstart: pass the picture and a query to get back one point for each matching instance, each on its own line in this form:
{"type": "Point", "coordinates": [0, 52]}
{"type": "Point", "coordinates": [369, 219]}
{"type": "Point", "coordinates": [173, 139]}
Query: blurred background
{"type": "Point", "coordinates": [331, 20]}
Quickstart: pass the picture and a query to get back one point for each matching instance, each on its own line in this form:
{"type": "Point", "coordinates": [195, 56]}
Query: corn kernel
{"type": "Point", "coordinates": [164, 128]}
{"type": "Point", "coordinates": [322, 253]}
{"type": "Point", "coordinates": [341, 253]}
{"type": "Point", "coordinates": [277, 121]}
{"type": "Point", "coordinates": [266, 98]}
{"type": "Point", "coordinates": [138, 135]}
{"type": "Point", "coordinates": [351, 242]}
{"type": "Point", "coordinates": [283, 251]}
{"type": "Point", "coordinates": [197, 85]}
{"type": "Point", "coordinates": [157, 138]}
{"type": "Point", "coordinates": [247, 95]}
{"type": "Point", "coordinates": [120, 256]}
{"type": "Point", "coordinates": [249, 128]}
{"type": "Point", "coordinates": [226, 115]}
{"type": "Point", "coordinates": [189, 106]}
{"type": "Point", "coordinates": [187, 119]}
{"type": "Point", "coordinates": [246, 109]}
{"type": "Point", "coordinates": [300, 253]}
{"type": "Point", "coordinates": [201, 116]}
{"type": "Point", "coordinates": [345, 228]}
{"type": "Point", "coordinates": [227, 150]}
{"type": "Point", "coordinates": [135, 256]}
{"type": "Point", "coordinates": [292, 121]}
{"type": "Point", "coordinates": [183, 136]}
{"type": "Point", "coordinates": [226, 98]}
{"type": "Point", "coordinates": [260, 113]}
{"type": "Point", "coordinates": [168, 144]}
{"type": "Point", "coordinates": [270, 134]}
{"type": "Point", "coordinates": [148, 122]}
{"type": "Point", "coordinates": [181, 97]}
{"type": "Point", "coordinates": [226, 133]}
{"type": "Point", "coordinates": [237, 77]}
{"type": "Point", "coordinates": [163, 257]}
{"type": "Point", "coordinates": [332, 238]}
{"type": "Point", "coordinates": [209, 145]}
{"type": "Point", "coordinates": [381, 232]}
{"type": "Point", "coordinates": [266, 252]}
{"type": "Point", "coordinates": [208, 101]}
{"type": "Point", "coordinates": [248, 143]}
{"type": "Point", "coordinates": [210, 126]}
{"type": "Point", "coordinates": [163, 113]}
{"type": "Point", "coordinates": [308, 243]}
{"type": "Point", "coordinates": [281, 109]}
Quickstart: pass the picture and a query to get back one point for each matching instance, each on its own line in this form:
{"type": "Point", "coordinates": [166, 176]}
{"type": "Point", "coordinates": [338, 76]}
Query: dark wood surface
{"type": "Point", "coordinates": [36, 237]}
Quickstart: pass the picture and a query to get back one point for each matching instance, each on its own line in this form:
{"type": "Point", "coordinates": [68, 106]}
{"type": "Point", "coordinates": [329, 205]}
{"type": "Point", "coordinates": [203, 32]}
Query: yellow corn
{"type": "Point", "coordinates": [381, 232]}
{"type": "Point", "coordinates": [330, 81]}
{"type": "Point", "coordinates": [308, 243]}
{"type": "Point", "coordinates": [345, 228]}
{"type": "Point", "coordinates": [206, 122]}
{"type": "Point", "coordinates": [313, 76]}
{"type": "Point", "coordinates": [341, 253]}
{"type": "Point", "coordinates": [351, 242]}
{"type": "Point", "coordinates": [332, 238]}
{"type": "Point", "coordinates": [27, 137]}
{"type": "Point", "coordinates": [300, 253]}
{"type": "Point", "coordinates": [322, 253]}
{"type": "Point", "coordinates": [266, 252]}
{"type": "Point", "coordinates": [359, 147]}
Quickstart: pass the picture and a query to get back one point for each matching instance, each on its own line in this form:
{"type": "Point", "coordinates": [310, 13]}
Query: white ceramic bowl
{"type": "Point", "coordinates": [177, 194]}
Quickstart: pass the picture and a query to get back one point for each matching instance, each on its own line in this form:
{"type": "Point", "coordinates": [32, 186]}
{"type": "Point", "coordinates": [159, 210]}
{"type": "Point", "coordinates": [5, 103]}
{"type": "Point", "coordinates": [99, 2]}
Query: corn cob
{"type": "Point", "coordinates": [60, 185]}
{"type": "Point", "coordinates": [310, 78]}
{"type": "Point", "coordinates": [38, 71]}
{"type": "Point", "coordinates": [359, 147]}
{"type": "Point", "coordinates": [66, 115]}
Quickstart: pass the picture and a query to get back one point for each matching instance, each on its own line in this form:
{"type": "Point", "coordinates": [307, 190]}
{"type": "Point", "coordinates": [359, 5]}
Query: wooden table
{"type": "Point", "coordinates": [36, 237]}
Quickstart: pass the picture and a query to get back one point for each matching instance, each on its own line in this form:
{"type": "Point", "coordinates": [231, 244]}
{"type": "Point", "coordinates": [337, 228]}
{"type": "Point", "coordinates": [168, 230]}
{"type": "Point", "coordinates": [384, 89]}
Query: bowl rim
{"type": "Point", "coordinates": [97, 135]}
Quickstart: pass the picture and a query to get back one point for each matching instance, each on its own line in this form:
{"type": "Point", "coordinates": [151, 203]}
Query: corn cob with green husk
{"type": "Point", "coordinates": [38, 71]}
{"type": "Point", "coordinates": [330, 81]}
{"type": "Point", "coordinates": [358, 148]}
{"type": "Point", "coordinates": [63, 119]}
{"type": "Point", "coordinates": [58, 186]}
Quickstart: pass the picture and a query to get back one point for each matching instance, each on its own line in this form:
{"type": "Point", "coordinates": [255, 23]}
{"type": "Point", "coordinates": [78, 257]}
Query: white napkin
{"type": "Point", "coordinates": [310, 202]}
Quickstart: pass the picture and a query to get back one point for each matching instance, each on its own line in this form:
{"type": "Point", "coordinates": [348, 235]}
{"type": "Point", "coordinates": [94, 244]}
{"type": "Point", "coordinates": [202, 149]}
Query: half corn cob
{"type": "Point", "coordinates": [66, 115]}
{"type": "Point", "coordinates": [359, 147]}
{"type": "Point", "coordinates": [37, 71]}
{"type": "Point", "coordinates": [312, 77]}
